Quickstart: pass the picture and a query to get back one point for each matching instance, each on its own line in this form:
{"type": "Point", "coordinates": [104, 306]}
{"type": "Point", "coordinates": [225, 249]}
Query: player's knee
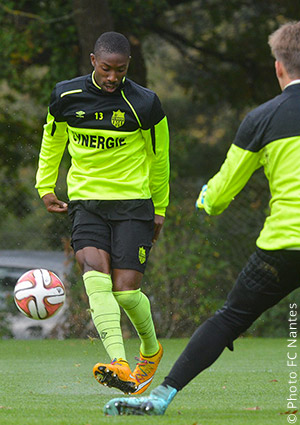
{"type": "Point", "coordinates": [232, 322]}
{"type": "Point", "coordinates": [126, 280]}
{"type": "Point", "coordinates": [92, 259]}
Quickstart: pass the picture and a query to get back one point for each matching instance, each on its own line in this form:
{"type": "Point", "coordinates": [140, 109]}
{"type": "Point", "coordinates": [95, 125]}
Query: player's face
{"type": "Point", "coordinates": [110, 68]}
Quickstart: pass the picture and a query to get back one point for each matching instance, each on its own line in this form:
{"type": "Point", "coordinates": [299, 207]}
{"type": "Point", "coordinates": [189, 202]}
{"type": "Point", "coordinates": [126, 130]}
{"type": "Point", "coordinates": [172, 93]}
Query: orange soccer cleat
{"type": "Point", "coordinates": [145, 370]}
{"type": "Point", "coordinates": [117, 374]}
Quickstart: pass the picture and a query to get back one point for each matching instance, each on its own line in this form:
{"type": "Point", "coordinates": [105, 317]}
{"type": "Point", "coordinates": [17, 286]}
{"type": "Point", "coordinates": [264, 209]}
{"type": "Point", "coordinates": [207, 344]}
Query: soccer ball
{"type": "Point", "coordinates": [39, 294]}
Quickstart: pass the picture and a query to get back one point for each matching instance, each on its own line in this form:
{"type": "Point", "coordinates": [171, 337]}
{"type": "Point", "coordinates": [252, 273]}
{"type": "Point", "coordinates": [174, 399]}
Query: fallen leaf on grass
{"type": "Point", "coordinates": [289, 412]}
{"type": "Point", "coordinates": [274, 380]}
{"type": "Point", "coordinates": [252, 408]}
{"type": "Point", "coordinates": [91, 339]}
{"type": "Point", "coordinates": [5, 407]}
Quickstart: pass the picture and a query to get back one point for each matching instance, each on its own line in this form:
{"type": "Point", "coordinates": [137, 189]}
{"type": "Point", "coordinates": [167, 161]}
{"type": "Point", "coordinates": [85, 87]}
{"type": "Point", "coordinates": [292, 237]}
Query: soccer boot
{"type": "Point", "coordinates": [145, 370]}
{"type": "Point", "coordinates": [155, 404]}
{"type": "Point", "coordinates": [117, 374]}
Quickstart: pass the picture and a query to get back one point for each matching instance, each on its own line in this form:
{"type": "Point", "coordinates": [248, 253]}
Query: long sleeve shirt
{"type": "Point", "coordinates": [118, 143]}
{"type": "Point", "coordinates": [268, 137]}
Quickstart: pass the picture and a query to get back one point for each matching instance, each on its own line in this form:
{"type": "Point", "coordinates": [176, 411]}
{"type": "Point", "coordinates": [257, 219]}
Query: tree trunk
{"type": "Point", "coordinates": [92, 18]}
{"type": "Point", "coordinates": [137, 68]}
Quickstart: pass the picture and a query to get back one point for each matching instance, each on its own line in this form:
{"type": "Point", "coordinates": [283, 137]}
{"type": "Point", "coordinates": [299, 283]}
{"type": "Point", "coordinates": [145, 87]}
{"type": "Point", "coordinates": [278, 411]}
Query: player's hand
{"type": "Point", "coordinates": [200, 201]}
{"type": "Point", "coordinates": [158, 224]}
{"type": "Point", "coordinates": [53, 204]}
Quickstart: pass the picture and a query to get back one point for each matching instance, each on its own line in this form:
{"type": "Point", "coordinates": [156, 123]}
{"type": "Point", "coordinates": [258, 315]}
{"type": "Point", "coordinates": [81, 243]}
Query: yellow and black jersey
{"type": "Point", "coordinates": [118, 142]}
{"type": "Point", "coordinates": [268, 137]}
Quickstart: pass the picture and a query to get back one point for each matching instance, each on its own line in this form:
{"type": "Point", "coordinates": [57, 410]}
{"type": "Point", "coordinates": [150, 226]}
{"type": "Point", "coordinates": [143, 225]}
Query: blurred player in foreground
{"type": "Point", "coordinates": [269, 136]}
{"type": "Point", "coordinates": [118, 186]}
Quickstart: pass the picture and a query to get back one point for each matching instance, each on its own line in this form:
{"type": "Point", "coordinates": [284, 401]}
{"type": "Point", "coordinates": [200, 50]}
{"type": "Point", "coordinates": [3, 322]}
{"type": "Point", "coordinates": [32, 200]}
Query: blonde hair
{"type": "Point", "coordinates": [285, 47]}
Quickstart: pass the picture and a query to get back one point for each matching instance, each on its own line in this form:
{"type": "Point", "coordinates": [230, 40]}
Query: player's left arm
{"type": "Point", "coordinates": [158, 224]}
{"type": "Point", "coordinates": [155, 131]}
{"type": "Point", "coordinates": [235, 172]}
{"type": "Point", "coordinates": [159, 166]}
{"type": "Point", "coordinates": [157, 146]}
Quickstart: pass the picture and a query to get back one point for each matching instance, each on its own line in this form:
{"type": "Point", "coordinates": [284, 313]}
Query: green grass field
{"type": "Point", "coordinates": [49, 382]}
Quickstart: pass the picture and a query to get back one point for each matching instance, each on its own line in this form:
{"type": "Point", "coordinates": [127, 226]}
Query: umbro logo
{"type": "Point", "coordinates": [80, 114]}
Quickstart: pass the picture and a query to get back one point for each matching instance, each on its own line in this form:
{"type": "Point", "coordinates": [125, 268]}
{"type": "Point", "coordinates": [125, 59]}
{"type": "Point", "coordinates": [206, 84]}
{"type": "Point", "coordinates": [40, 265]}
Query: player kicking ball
{"type": "Point", "coordinates": [118, 190]}
{"type": "Point", "coordinates": [269, 136]}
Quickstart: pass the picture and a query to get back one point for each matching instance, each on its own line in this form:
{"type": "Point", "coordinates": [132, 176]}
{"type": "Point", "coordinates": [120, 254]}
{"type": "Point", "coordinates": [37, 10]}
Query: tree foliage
{"type": "Point", "coordinates": [212, 64]}
{"type": "Point", "coordinates": [38, 33]}
{"type": "Point", "coordinates": [225, 59]}
{"type": "Point", "coordinates": [224, 56]}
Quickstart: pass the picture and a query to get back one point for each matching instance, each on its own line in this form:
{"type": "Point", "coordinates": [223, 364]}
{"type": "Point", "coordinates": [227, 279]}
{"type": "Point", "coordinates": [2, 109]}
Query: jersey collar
{"type": "Point", "coordinates": [121, 86]}
{"type": "Point", "coordinates": [292, 83]}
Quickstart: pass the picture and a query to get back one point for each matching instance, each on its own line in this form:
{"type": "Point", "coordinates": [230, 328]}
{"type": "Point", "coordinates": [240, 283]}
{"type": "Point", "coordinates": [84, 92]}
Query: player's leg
{"type": "Point", "coordinates": [91, 243]}
{"type": "Point", "coordinates": [103, 306]}
{"type": "Point", "coordinates": [267, 278]}
{"type": "Point", "coordinates": [132, 240]}
{"type": "Point", "coordinates": [137, 307]}
{"type": "Point", "coordinates": [106, 317]}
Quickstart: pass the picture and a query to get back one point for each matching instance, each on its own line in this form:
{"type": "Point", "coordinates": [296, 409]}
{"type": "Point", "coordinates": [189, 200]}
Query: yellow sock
{"type": "Point", "coordinates": [137, 307]}
{"type": "Point", "coordinates": [105, 312]}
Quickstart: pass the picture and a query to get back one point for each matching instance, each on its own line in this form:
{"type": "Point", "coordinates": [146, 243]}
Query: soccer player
{"type": "Point", "coordinates": [118, 190]}
{"type": "Point", "coordinates": [269, 136]}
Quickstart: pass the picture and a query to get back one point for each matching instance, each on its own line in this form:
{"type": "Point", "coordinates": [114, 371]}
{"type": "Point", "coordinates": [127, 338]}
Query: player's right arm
{"type": "Point", "coordinates": [54, 141]}
{"type": "Point", "coordinates": [53, 204]}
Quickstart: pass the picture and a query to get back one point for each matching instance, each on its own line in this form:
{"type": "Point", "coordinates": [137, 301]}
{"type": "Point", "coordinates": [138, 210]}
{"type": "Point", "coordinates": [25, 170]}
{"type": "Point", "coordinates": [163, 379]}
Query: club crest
{"type": "Point", "coordinates": [142, 254]}
{"type": "Point", "coordinates": [118, 118]}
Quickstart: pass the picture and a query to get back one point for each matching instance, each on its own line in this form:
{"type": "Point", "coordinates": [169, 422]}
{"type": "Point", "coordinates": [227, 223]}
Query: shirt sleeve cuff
{"type": "Point", "coordinates": [44, 191]}
{"type": "Point", "coordinates": [160, 211]}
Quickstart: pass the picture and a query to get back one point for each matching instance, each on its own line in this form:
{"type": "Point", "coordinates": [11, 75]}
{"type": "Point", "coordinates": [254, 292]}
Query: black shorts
{"type": "Point", "coordinates": [124, 229]}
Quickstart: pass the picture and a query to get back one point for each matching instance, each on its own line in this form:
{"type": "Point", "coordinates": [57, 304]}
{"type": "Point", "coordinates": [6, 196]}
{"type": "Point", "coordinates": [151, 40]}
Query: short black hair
{"type": "Point", "coordinates": [112, 42]}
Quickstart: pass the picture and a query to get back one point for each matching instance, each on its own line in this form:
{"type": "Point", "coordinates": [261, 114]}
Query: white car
{"type": "Point", "coordinates": [13, 263]}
